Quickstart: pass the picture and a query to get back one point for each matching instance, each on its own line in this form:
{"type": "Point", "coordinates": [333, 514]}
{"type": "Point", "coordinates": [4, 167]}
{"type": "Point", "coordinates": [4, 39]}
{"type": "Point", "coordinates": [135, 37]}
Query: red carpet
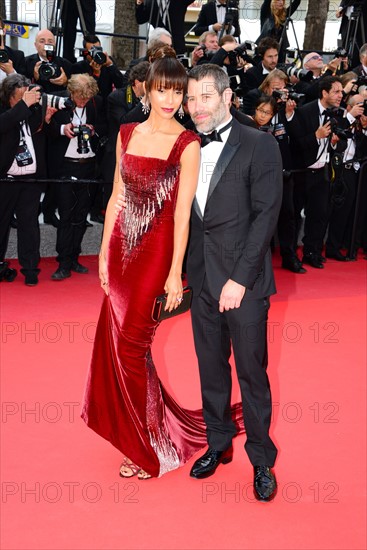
{"type": "Point", "coordinates": [59, 480]}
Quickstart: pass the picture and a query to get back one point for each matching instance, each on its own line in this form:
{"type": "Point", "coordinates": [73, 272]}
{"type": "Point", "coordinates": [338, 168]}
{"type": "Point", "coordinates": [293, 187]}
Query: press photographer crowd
{"type": "Point", "coordinates": [59, 122]}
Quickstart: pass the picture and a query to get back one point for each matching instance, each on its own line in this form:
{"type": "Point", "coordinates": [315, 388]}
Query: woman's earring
{"type": "Point", "coordinates": [145, 106]}
{"type": "Point", "coordinates": [181, 112]}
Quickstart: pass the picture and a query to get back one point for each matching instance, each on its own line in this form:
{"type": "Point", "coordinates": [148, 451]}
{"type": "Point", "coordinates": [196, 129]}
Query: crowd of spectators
{"type": "Point", "coordinates": [60, 120]}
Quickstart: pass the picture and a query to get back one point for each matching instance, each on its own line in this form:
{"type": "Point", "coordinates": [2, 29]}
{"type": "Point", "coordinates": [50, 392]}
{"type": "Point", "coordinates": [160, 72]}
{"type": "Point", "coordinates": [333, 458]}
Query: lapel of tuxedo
{"type": "Point", "coordinates": [230, 148]}
{"type": "Point", "coordinates": [196, 208]}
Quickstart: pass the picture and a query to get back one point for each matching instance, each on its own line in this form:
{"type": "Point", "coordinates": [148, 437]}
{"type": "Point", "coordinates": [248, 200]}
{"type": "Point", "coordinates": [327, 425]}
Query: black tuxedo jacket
{"type": "Point", "coordinates": [47, 86]}
{"type": "Point", "coordinates": [208, 16]}
{"type": "Point", "coordinates": [231, 240]}
{"type": "Point", "coordinates": [254, 77]}
{"type": "Point", "coordinates": [10, 120]}
{"type": "Point", "coordinates": [302, 128]}
{"type": "Point", "coordinates": [17, 57]}
{"type": "Point", "coordinates": [176, 11]}
{"type": "Point", "coordinates": [58, 146]}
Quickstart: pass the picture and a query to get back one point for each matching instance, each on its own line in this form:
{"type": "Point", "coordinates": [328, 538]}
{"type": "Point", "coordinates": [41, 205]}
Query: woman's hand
{"type": "Point", "coordinates": [173, 289]}
{"type": "Point", "coordinates": [103, 272]}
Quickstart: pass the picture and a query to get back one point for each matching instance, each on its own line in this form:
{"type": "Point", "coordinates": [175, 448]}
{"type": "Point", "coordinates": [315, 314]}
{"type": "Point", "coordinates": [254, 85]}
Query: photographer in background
{"type": "Point", "coordinates": [11, 61]}
{"type": "Point", "coordinates": [22, 147]}
{"type": "Point", "coordinates": [361, 70]}
{"type": "Point", "coordinates": [208, 45]}
{"type": "Point", "coordinates": [311, 131]}
{"type": "Point", "coordinates": [219, 16]}
{"type": "Point", "coordinates": [100, 65]}
{"type": "Point", "coordinates": [75, 134]}
{"type": "Point", "coordinates": [267, 50]}
{"type": "Point", "coordinates": [45, 67]}
{"type": "Point", "coordinates": [353, 151]}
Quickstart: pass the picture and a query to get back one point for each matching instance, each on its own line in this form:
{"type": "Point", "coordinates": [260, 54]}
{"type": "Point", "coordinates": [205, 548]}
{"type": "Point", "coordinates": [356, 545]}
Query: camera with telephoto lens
{"type": "Point", "coordinates": [245, 51]}
{"type": "Point", "coordinates": [55, 101]}
{"type": "Point", "coordinates": [289, 93]}
{"type": "Point", "coordinates": [340, 52]}
{"type": "Point", "coordinates": [359, 86]}
{"type": "Point", "coordinates": [97, 54]}
{"type": "Point", "coordinates": [49, 69]}
{"type": "Point", "coordinates": [83, 133]}
{"type": "Point", "coordinates": [291, 70]}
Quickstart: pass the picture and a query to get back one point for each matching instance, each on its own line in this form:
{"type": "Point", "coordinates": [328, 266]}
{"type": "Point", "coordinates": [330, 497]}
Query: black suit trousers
{"type": "Point", "coordinates": [342, 214]}
{"type": "Point", "coordinates": [246, 329]}
{"type": "Point", "coordinates": [23, 199]}
{"type": "Point", "coordinates": [312, 192]}
{"type": "Point", "coordinates": [73, 201]}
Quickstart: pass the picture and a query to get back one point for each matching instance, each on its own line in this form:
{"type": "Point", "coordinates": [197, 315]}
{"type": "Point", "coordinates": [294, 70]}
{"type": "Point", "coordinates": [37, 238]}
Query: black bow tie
{"type": "Point", "coordinates": [214, 135]}
{"type": "Point", "coordinates": [221, 5]}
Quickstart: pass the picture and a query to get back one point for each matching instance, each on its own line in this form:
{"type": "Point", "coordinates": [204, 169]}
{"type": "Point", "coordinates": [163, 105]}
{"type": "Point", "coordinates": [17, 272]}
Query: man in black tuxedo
{"type": "Point", "coordinates": [15, 63]}
{"type": "Point", "coordinates": [233, 219]}
{"type": "Point", "coordinates": [212, 17]}
{"type": "Point", "coordinates": [169, 14]}
{"type": "Point", "coordinates": [311, 134]}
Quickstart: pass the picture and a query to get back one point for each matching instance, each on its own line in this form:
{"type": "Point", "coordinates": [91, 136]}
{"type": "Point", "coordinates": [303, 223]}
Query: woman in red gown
{"type": "Point", "coordinates": [141, 257]}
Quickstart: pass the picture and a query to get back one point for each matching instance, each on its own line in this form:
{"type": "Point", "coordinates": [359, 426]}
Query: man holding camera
{"type": "Point", "coordinates": [100, 65]}
{"type": "Point", "coordinates": [220, 16]}
{"type": "Point", "coordinates": [311, 131]}
{"type": "Point", "coordinates": [353, 148]}
{"type": "Point", "coordinates": [45, 67]}
{"type": "Point", "coordinates": [75, 136]}
{"type": "Point", "coordinates": [22, 158]}
{"type": "Point", "coordinates": [11, 61]}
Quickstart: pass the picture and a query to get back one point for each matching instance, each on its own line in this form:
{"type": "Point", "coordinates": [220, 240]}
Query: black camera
{"type": "Point", "coordinates": [340, 52]}
{"type": "Point", "coordinates": [245, 51]}
{"type": "Point", "coordinates": [289, 93]}
{"type": "Point", "coordinates": [4, 56]}
{"type": "Point", "coordinates": [291, 70]}
{"type": "Point", "coordinates": [184, 60]}
{"type": "Point", "coordinates": [83, 133]}
{"type": "Point", "coordinates": [97, 54]}
{"type": "Point", "coordinates": [49, 69]}
{"type": "Point", "coordinates": [335, 115]}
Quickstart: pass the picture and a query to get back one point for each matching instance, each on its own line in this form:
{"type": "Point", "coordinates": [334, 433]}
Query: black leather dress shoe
{"type": "Point", "coordinates": [31, 278]}
{"type": "Point", "coordinates": [294, 265]}
{"type": "Point", "coordinates": [337, 256]}
{"type": "Point", "coordinates": [79, 268]}
{"type": "Point", "coordinates": [313, 260]}
{"type": "Point", "coordinates": [265, 485]}
{"type": "Point", "coordinates": [206, 465]}
{"type": "Point", "coordinates": [7, 273]}
{"type": "Point", "coordinates": [61, 274]}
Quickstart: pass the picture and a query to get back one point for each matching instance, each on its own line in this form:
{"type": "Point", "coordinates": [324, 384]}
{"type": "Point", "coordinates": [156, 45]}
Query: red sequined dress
{"type": "Point", "coordinates": [125, 401]}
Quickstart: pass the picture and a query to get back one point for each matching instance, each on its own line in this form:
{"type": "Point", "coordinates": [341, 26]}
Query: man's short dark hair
{"type": "Point", "coordinates": [91, 39]}
{"type": "Point", "coordinates": [139, 72]}
{"type": "Point", "coordinates": [10, 84]}
{"type": "Point", "coordinates": [326, 84]}
{"type": "Point", "coordinates": [265, 44]}
{"type": "Point", "coordinates": [219, 76]}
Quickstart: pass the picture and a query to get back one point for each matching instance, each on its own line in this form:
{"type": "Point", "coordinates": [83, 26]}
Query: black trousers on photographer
{"type": "Point", "coordinates": [22, 198]}
{"type": "Point", "coordinates": [73, 200]}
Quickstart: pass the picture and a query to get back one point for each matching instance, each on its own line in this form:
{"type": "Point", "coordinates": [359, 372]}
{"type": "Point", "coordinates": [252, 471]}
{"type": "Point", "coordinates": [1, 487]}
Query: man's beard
{"type": "Point", "coordinates": [213, 122]}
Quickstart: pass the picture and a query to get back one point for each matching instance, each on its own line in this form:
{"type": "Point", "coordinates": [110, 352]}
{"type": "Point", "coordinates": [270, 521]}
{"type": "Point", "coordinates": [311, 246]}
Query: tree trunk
{"type": "Point", "coordinates": [315, 24]}
{"type": "Point", "coordinates": [2, 9]}
{"type": "Point", "coordinates": [125, 23]}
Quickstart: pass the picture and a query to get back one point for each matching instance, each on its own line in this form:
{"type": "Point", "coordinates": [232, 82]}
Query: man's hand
{"type": "Point", "coordinates": [50, 111]}
{"type": "Point", "coordinates": [36, 70]}
{"type": "Point", "coordinates": [61, 80]}
{"type": "Point", "coordinates": [323, 131]}
{"type": "Point", "coordinates": [7, 67]}
{"type": "Point", "coordinates": [357, 110]}
{"type": "Point", "coordinates": [68, 130]}
{"type": "Point", "coordinates": [30, 97]}
{"type": "Point", "coordinates": [231, 296]}
{"type": "Point", "coordinates": [217, 27]}
{"type": "Point", "coordinates": [120, 203]}
{"type": "Point", "coordinates": [197, 54]}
